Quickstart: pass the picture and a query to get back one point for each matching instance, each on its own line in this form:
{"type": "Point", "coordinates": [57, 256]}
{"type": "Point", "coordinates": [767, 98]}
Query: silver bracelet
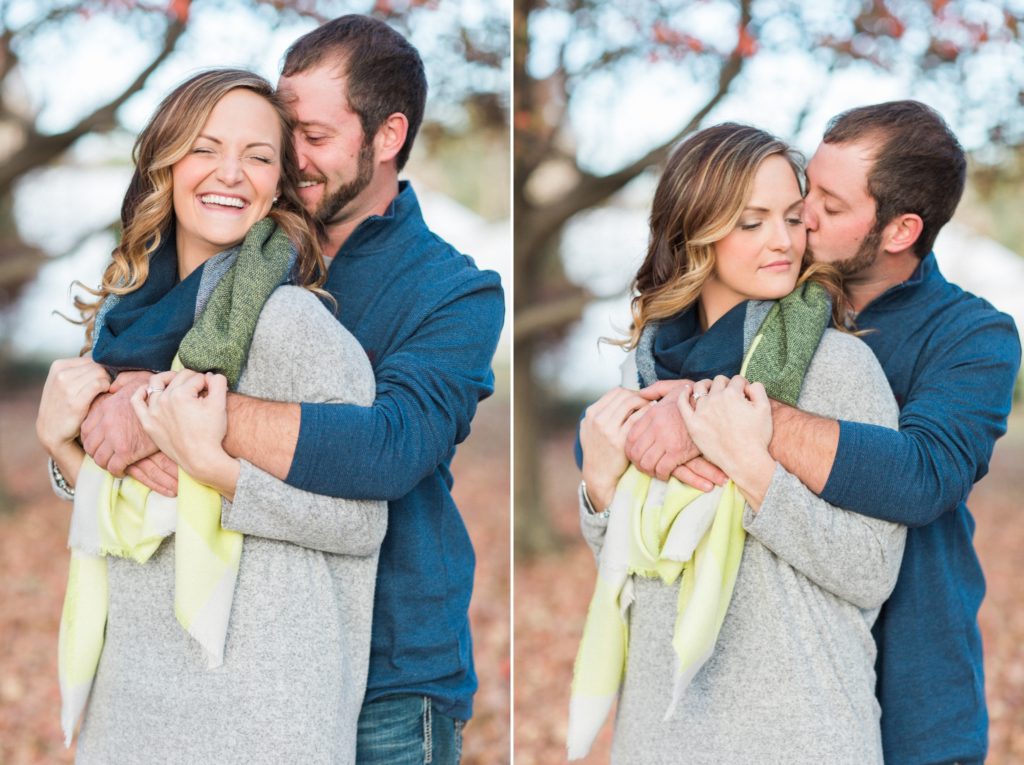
{"type": "Point", "coordinates": [585, 499]}
{"type": "Point", "coordinates": [60, 484]}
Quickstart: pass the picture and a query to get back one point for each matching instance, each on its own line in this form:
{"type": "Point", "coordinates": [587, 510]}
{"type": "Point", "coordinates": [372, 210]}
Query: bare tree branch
{"type": "Point", "coordinates": [536, 320]}
{"type": "Point", "coordinates": [41, 149]}
{"type": "Point", "coordinates": [591, 190]}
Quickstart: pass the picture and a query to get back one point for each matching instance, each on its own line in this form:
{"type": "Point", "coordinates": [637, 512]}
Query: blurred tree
{"type": "Point", "coordinates": [561, 48]}
{"type": "Point", "coordinates": [469, 51]}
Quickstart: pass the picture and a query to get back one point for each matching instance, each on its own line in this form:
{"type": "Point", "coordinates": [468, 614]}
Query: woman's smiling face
{"type": "Point", "coordinates": [229, 177]}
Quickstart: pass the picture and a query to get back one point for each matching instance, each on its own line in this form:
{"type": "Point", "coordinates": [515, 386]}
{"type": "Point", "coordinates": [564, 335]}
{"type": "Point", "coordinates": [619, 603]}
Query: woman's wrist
{"type": "Point", "coordinates": [68, 457]}
{"type": "Point", "coordinates": [599, 492]}
{"type": "Point", "coordinates": [753, 476]}
{"type": "Point", "coordinates": [219, 471]}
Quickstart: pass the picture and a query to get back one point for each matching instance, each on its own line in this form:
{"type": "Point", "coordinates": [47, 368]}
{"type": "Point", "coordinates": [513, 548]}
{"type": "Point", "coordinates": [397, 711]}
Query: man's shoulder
{"type": "Point", "coordinates": [941, 310]}
{"type": "Point", "coordinates": [959, 313]}
{"type": "Point", "coordinates": [442, 273]}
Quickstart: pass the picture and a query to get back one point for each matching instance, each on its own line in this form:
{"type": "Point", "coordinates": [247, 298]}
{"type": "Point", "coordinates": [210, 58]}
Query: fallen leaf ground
{"type": "Point", "coordinates": [552, 593]}
{"type": "Point", "coordinates": [33, 574]}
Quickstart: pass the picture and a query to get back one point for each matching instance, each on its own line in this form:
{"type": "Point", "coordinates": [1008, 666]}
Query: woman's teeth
{"type": "Point", "coordinates": [217, 199]}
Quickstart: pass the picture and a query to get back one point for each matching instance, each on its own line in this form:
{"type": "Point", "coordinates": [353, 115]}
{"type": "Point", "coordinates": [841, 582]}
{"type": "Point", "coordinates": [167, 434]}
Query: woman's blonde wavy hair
{"type": "Point", "coordinates": [147, 213]}
{"type": "Point", "coordinates": [701, 194]}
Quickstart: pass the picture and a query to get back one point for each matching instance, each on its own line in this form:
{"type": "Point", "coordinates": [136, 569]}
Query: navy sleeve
{"type": "Point", "coordinates": [577, 448]}
{"type": "Point", "coordinates": [427, 393]}
{"type": "Point", "coordinates": [955, 412]}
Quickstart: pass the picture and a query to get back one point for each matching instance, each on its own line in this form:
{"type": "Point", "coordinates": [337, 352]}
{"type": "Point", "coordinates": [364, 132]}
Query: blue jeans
{"type": "Point", "coordinates": [407, 730]}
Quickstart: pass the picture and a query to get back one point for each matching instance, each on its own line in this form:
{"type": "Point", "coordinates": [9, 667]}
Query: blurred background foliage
{"type": "Point", "coordinates": [48, 49]}
{"type": "Point", "coordinates": [580, 137]}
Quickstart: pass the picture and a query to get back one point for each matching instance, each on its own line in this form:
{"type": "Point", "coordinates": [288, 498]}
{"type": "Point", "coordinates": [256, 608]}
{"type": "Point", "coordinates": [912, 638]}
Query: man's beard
{"type": "Point", "coordinates": [337, 200]}
{"type": "Point", "coordinates": [865, 256]}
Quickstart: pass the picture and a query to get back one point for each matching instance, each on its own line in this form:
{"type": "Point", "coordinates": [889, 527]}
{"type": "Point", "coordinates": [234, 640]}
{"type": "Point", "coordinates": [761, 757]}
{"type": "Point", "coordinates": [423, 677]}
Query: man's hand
{"type": "Point", "coordinates": [159, 473]}
{"type": "Point", "coordinates": [700, 474]}
{"type": "Point", "coordinates": [111, 433]}
{"type": "Point", "coordinates": [660, 445]}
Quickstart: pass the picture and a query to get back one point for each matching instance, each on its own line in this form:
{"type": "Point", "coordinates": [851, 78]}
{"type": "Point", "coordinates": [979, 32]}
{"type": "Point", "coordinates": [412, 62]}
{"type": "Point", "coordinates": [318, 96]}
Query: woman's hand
{"type": "Point", "coordinates": [603, 434]}
{"type": "Point", "coordinates": [731, 423]}
{"type": "Point", "coordinates": [70, 388]}
{"type": "Point", "coordinates": [185, 414]}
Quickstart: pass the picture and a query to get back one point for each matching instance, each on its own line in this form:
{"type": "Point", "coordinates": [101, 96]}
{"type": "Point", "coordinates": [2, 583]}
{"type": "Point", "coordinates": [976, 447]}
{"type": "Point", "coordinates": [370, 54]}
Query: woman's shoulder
{"type": "Point", "coordinates": [300, 351]}
{"type": "Point", "coordinates": [846, 381]}
{"type": "Point", "coordinates": [294, 309]}
{"type": "Point", "coordinates": [842, 344]}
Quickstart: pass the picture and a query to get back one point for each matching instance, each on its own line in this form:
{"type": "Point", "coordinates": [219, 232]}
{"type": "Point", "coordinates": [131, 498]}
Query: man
{"type": "Point", "coordinates": [880, 187]}
{"type": "Point", "coordinates": [429, 322]}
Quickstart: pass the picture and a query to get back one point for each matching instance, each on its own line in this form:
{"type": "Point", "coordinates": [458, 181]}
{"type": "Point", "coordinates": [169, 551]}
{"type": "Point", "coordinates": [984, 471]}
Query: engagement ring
{"type": "Point", "coordinates": [151, 390]}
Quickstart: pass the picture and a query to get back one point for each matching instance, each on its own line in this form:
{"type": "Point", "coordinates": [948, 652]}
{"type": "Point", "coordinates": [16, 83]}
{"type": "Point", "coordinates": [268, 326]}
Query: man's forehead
{"type": "Point", "coordinates": [327, 74]}
{"type": "Point", "coordinates": [842, 163]}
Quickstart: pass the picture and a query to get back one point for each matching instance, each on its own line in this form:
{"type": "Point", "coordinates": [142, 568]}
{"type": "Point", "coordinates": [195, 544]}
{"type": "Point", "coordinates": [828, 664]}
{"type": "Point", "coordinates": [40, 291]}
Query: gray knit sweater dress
{"type": "Point", "coordinates": [298, 640]}
{"type": "Point", "coordinates": [791, 679]}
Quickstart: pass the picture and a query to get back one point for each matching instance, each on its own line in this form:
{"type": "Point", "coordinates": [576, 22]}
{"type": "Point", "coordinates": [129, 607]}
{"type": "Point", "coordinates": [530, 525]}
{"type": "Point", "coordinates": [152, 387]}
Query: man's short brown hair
{"type": "Point", "coordinates": [919, 165]}
{"type": "Point", "coordinates": [382, 70]}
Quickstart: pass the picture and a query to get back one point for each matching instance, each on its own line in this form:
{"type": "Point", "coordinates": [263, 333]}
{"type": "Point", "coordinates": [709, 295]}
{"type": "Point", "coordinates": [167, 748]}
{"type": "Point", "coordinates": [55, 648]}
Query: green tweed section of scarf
{"type": "Point", "coordinates": [220, 338]}
{"type": "Point", "coordinates": [787, 339]}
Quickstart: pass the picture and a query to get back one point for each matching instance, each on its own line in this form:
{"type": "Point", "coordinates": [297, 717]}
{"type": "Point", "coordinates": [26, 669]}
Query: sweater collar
{"type": "Point", "coordinates": [401, 222]}
{"type": "Point", "coordinates": [905, 293]}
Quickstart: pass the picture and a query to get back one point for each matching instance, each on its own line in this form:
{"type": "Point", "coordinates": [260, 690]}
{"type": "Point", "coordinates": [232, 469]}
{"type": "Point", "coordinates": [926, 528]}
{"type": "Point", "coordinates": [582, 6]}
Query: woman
{"type": "Point", "coordinates": [750, 608]}
{"type": "Point", "coordinates": [235, 632]}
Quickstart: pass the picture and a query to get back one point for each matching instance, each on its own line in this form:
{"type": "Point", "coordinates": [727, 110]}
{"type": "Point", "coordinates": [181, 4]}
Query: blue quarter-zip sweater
{"type": "Point", "coordinates": [951, 360]}
{"type": "Point", "coordinates": [429, 321]}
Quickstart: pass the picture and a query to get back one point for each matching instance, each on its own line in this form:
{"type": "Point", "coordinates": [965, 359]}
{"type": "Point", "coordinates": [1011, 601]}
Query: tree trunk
{"type": "Point", "coordinates": [534, 532]}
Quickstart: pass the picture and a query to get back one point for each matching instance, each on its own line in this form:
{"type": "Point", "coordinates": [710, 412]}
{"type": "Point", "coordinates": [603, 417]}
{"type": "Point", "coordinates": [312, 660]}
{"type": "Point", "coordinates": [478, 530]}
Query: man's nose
{"type": "Point", "coordinates": [810, 217]}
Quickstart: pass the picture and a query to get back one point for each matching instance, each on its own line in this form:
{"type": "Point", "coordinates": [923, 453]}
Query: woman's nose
{"type": "Point", "coordinates": [229, 170]}
{"type": "Point", "coordinates": [780, 238]}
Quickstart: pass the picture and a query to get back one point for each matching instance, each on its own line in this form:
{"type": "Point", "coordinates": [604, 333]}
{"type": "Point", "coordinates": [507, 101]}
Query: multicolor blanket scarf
{"type": "Point", "coordinates": [205, 323]}
{"type": "Point", "coordinates": [670, 531]}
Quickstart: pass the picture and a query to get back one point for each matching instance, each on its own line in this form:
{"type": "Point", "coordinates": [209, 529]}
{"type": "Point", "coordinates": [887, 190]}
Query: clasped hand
{"type": "Point", "coordinates": [113, 437]}
{"type": "Point", "coordinates": [730, 420]}
{"type": "Point", "coordinates": [659, 445]}
{"type": "Point", "coordinates": [186, 416]}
